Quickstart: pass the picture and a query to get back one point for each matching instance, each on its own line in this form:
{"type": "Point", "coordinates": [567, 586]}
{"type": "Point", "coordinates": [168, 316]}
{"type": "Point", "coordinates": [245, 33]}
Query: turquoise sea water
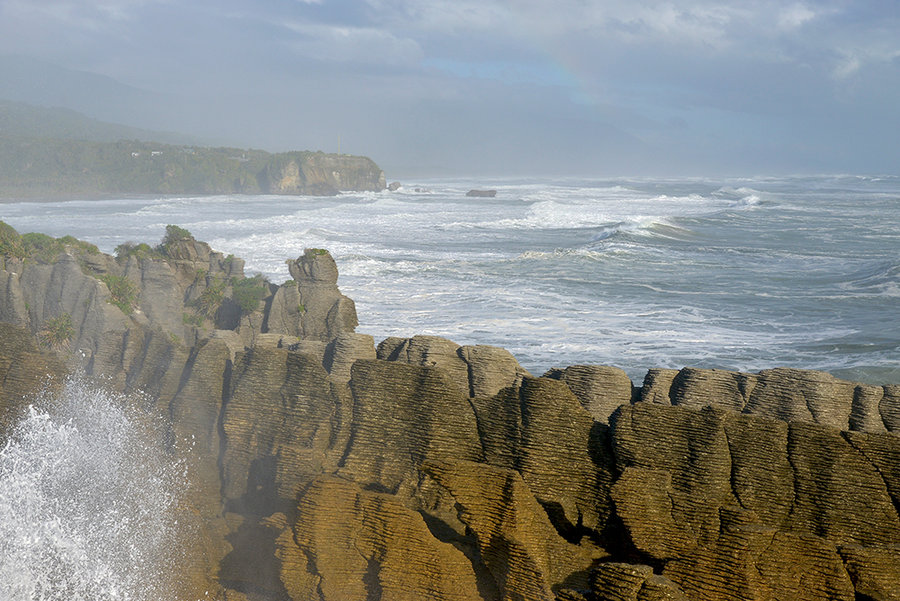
{"type": "Point", "coordinates": [739, 274]}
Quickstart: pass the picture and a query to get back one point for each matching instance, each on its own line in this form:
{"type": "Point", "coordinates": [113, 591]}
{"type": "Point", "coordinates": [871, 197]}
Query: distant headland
{"type": "Point", "coordinates": [58, 154]}
{"type": "Point", "coordinates": [57, 167]}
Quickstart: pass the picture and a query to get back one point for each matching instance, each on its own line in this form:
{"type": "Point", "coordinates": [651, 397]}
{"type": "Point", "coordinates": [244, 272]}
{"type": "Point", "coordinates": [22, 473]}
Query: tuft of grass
{"type": "Point", "coordinates": [42, 247]}
{"type": "Point", "coordinates": [57, 332]}
{"type": "Point", "coordinates": [176, 234]}
{"type": "Point", "coordinates": [211, 298]}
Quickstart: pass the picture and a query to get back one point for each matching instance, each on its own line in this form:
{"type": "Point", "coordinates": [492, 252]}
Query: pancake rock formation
{"type": "Point", "coordinates": [326, 467]}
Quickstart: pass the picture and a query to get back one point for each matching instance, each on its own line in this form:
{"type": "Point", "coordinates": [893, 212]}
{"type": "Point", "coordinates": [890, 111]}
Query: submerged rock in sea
{"type": "Point", "coordinates": [482, 193]}
{"type": "Point", "coordinates": [323, 467]}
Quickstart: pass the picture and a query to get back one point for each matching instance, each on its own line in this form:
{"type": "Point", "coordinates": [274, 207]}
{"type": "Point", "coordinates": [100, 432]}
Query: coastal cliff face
{"type": "Point", "coordinates": [320, 174]}
{"type": "Point", "coordinates": [324, 467]}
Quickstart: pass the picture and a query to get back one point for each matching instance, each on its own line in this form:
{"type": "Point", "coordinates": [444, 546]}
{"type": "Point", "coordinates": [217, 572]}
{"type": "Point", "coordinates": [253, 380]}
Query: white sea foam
{"type": "Point", "coordinates": [87, 503]}
{"type": "Point", "coordinates": [749, 272]}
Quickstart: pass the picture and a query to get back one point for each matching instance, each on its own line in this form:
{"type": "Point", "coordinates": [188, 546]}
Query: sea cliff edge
{"type": "Point", "coordinates": [324, 466]}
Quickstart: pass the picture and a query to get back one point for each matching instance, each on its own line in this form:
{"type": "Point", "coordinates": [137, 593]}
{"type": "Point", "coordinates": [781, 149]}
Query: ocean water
{"type": "Point", "coordinates": [743, 274]}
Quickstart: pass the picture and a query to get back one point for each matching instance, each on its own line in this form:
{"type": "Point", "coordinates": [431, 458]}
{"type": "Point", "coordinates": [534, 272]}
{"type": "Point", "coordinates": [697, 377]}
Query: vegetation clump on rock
{"type": "Point", "coordinates": [46, 249]}
{"type": "Point", "coordinates": [57, 332]}
{"type": "Point", "coordinates": [174, 235]}
{"type": "Point", "coordinates": [211, 298]}
{"type": "Point", "coordinates": [11, 245]}
{"type": "Point", "coordinates": [123, 293]}
{"type": "Point", "coordinates": [249, 292]}
{"type": "Point", "coordinates": [140, 251]}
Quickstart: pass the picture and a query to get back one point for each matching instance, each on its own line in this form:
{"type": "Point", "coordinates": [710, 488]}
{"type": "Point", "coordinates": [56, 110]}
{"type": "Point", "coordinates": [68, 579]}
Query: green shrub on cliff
{"type": "Point", "coordinates": [211, 298]}
{"type": "Point", "coordinates": [79, 245]}
{"type": "Point", "coordinates": [248, 292]}
{"type": "Point", "coordinates": [10, 242]}
{"type": "Point", "coordinates": [174, 235]}
{"type": "Point", "coordinates": [57, 332]}
{"type": "Point", "coordinates": [140, 251]}
{"type": "Point", "coordinates": [122, 292]}
{"type": "Point", "coordinates": [42, 247]}
{"type": "Point", "coordinates": [45, 249]}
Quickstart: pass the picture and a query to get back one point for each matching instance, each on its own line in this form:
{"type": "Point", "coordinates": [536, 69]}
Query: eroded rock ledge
{"type": "Point", "coordinates": [327, 468]}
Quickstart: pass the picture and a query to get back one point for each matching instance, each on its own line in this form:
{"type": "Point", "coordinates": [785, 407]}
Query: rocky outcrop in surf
{"type": "Point", "coordinates": [324, 467]}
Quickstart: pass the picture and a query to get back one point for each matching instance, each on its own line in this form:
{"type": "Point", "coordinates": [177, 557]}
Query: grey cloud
{"type": "Point", "coordinates": [364, 45]}
{"type": "Point", "coordinates": [465, 85]}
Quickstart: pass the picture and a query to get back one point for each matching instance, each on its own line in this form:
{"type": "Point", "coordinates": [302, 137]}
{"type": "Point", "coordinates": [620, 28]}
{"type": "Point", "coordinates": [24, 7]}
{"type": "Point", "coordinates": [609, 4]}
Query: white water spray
{"type": "Point", "coordinates": [88, 503]}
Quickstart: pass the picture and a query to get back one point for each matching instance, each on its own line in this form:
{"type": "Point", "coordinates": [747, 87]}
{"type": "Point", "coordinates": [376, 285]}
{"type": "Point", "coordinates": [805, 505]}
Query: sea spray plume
{"type": "Point", "coordinates": [88, 501]}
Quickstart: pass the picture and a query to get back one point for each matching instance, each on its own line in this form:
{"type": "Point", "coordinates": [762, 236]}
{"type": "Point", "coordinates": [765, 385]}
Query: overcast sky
{"type": "Point", "coordinates": [447, 87]}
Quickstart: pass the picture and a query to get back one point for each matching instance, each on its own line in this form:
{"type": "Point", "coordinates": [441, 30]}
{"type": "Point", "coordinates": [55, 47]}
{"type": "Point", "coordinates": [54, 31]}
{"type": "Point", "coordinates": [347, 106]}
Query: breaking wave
{"type": "Point", "coordinates": [87, 502]}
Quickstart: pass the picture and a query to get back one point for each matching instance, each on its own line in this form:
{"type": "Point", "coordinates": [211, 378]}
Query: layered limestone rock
{"type": "Point", "coordinates": [311, 306]}
{"type": "Point", "coordinates": [526, 556]}
{"type": "Point", "coordinates": [737, 506]}
{"type": "Point", "coordinates": [356, 545]}
{"type": "Point", "coordinates": [542, 431]}
{"type": "Point", "coordinates": [633, 582]}
{"type": "Point", "coordinates": [479, 371]}
{"type": "Point", "coordinates": [277, 423]}
{"type": "Point", "coordinates": [784, 394]}
{"type": "Point", "coordinates": [324, 468]}
{"type": "Point", "coordinates": [119, 311]}
{"type": "Point", "coordinates": [24, 370]}
{"type": "Point", "coordinates": [600, 388]}
{"type": "Point", "coordinates": [403, 415]}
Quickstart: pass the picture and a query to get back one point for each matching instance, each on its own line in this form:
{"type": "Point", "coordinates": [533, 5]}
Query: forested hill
{"type": "Point", "coordinates": [52, 153]}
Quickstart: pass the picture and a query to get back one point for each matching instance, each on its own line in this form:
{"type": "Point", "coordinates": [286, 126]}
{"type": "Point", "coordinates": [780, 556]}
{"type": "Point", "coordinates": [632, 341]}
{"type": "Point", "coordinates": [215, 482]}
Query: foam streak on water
{"type": "Point", "coordinates": [743, 274]}
{"type": "Point", "coordinates": [87, 503]}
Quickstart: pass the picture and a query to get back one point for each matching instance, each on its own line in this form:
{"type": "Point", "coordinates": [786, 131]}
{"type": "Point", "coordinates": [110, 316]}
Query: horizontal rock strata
{"type": "Point", "coordinates": [324, 467]}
